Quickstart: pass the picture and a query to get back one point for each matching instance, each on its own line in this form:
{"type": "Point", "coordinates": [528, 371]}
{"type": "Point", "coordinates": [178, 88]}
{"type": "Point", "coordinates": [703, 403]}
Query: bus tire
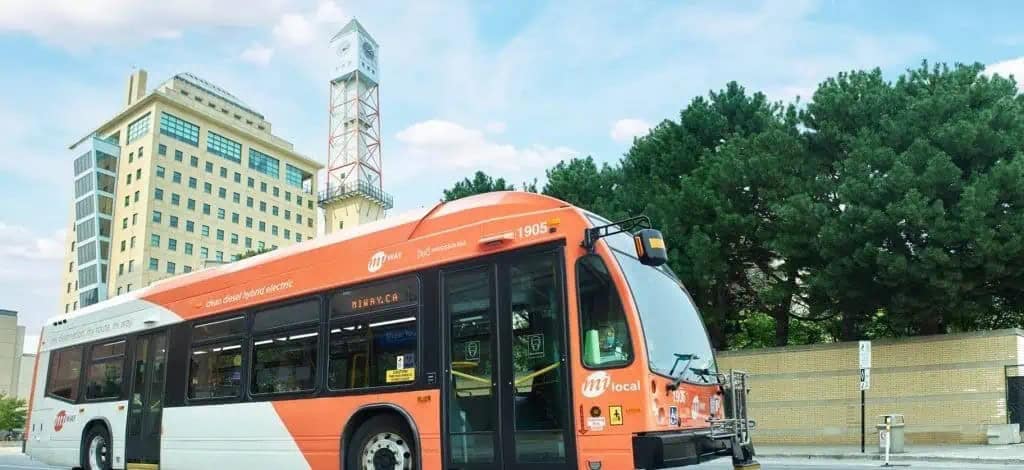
{"type": "Point", "coordinates": [96, 448]}
{"type": "Point", "coordinates": [383, 442]}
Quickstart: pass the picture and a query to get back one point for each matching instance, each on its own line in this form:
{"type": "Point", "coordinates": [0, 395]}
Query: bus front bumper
{"type": "Point", "coordinates": [675, 449]}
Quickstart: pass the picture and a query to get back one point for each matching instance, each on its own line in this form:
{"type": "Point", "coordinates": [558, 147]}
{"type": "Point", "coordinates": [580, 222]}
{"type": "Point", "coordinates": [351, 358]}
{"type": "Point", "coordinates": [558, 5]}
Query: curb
{"type": "Point", "coordinates": [896, 458]}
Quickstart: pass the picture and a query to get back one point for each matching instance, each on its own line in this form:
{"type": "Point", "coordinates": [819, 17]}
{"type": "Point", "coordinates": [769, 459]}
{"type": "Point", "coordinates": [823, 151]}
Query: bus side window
{"type": "Point", "coordinates": [65, 368]}
{"type": "Point", "coordinates": [605, 336]}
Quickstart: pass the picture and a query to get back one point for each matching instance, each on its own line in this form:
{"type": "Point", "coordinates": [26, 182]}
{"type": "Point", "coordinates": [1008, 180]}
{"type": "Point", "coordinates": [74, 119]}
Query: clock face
{"type": "Point", "coordinates": [368, 50]}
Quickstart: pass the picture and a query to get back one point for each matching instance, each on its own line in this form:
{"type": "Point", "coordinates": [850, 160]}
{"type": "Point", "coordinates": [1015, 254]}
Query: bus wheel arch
{"type": "Point", "coordinates": [96, 427]}
{"type": "Point", "coordinates": [372, 416]}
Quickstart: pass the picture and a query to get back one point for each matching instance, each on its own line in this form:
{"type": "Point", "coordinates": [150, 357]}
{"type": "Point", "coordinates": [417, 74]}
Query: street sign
{"type": "Point", "coordinates": [865, 379]}
{"type": "Point", "coordinates": [864, 355]}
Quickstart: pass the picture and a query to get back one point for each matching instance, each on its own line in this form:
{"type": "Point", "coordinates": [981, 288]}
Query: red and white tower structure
{"type": "Point", "coordinates": [353, 193]}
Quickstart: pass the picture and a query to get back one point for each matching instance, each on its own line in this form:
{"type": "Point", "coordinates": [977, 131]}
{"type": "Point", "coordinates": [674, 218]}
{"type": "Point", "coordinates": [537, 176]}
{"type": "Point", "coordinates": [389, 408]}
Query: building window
{"type": "Point", "coordinates": [276, 191]}
{"type": "Point", "coordinates": [220, 234]}
{"type": "Point", "coordinates": [252, 182]}
{"type": "Point", "coordinates": [135, 219]}
{"type": "Point", "coordinates": [288, 196]}
{"type": "Point", "coordinates": [175, 199]}
{"type": "Point", "coordinates": [190, 226]}
{"type": "Point", "coordinates": [173, 222]}
{"type": "Point", "coordinates": [158, 194]}
{"type": "Point", "coordinates": [138, 128]}
{"type": "Point", "coordinates": [160, 171]}
{"type": "Point", "coordinates": [263, 206]}
{"type": "Point", "coordinates": [298, 237]}
{"type": "Point", "coordinates": [287, 234]}
{"type": "Point", "coordinates": [204, 252]}
{"type": "Point", "coordinates": [191, 205]}
{"type": "Point", "coordinates": [157, 217]}
{"type": "Point", "coordinates": [136, 196]}
{"type": "Point", "coordinates": [248, 201]}
{"type": "Point", "coordinates": [172, 244]}
{"type": "Point", "coordinates": [207, 188]}
{"type": "Point", "coordinates": [234, 238]}
{"type": "Point", "coordinates": [131, 244]}
{"type": "Point", "coordinates": [171, 267]}
{"type": "Point", "coordinates": [161, 149]}
{"type": "Point", "coordinates": [238, 177]}
{"type": "Point", "coordinates": [223, 172]}
{"type": "Point", "coordinates": [206, 209]}
{"type": "Point", "coordinates": [234, 217]}
{"type": "Point", "coordinates": [222, 193]}
{"type": "Point", "coordinates": [154, 240]}
{"type": "Point", "coordinates": [128, 178]}
{"type": "Point", "coordinates": [65, 372]}
{"type": "Point", "coordinates": [263, 226]}
{"type": "Point", "coordinates": [295, 177]}
{"type": "Point", "coordinates": [193, 161]}
{"type": "Point", "coordinates": [178, 155]}
{"type": "Point", "coordinates": [209, 168]}
{"type": "Point", "coordinates": [236, 198]}
{"type": "Point", "coordinates": [179, 129]}
{"type": "Point", "coordinates": [273, 230]}
{"type": "Point", "coordinates": [263, 163]}
{"type": "Point", "coordinates": [124, 224]}
{"type": "Point", "coordinates": [204, 230]}
{"type": "Point", "coordinates": [188, 248]}
{"type": "Point", "coordinates": [287, 215]}
{"type": "Point", "coordinates": [138, 174]}
{"type": "Point", "coordinates": [176, 177]}
{"type": "Point", "coordinates": [106, 371]}
{"type": "Point", "coordinates": [123, 244]}
{"type": "Point", "coordinates": [273, 210]}
{"type": "Point", "coordinates": [219, 256]}
{"type": "Point", "coordinates": [248, 222]}
{"type": "Point", "coordinates": [154, 264]}
{"type": "Point", "coordinates": [248, 244]}
{"type": "Point", "coordinates": [186, 269]}
{"type": "Point", "coordinates": [192, 182]}
{"type": "Point", "coordinates": [220, 213]}
{"type": "Point", "coordinates": [223, 146]}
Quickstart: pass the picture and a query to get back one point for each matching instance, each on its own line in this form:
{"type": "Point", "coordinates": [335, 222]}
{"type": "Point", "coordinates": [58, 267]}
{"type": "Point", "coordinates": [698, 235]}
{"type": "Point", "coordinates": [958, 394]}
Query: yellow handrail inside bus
{"type": "Point", "coordinates": [471, 377]}
{"type": "Point", "coordinates": [534, 374]}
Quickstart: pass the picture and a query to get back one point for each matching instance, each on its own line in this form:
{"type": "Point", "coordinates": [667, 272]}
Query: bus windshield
{"type": "Point", "coordinates": [673, 330]}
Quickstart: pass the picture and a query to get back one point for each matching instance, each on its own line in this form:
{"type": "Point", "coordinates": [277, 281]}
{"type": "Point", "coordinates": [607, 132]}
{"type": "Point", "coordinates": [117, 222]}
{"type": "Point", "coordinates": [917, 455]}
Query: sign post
{"type": "Point", "coordinates": [864, 364]}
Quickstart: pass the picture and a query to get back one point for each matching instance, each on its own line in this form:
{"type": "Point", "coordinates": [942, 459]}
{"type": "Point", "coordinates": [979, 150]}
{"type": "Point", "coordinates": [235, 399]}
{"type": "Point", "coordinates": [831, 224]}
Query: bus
{"type": "Point", "coordinates": [506, 330]}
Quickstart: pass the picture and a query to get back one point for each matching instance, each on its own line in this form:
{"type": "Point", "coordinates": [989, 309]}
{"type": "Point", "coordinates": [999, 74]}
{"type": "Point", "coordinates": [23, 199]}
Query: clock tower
{"type": "Point", "coordinates": [353, 193]}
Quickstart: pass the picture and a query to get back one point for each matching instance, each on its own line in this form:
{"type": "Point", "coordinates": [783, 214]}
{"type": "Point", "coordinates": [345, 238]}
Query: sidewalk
{"type": "Point", "coordinates": [1008, 455]}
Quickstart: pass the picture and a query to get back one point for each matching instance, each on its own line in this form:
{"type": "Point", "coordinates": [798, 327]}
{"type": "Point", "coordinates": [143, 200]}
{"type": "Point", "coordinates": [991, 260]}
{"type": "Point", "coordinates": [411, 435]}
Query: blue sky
{"type": "Point", "coordinates": [507, 87]}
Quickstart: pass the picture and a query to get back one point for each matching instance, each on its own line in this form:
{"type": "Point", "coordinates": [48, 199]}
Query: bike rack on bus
{"type": "Point", "coordinates": [736, 424]}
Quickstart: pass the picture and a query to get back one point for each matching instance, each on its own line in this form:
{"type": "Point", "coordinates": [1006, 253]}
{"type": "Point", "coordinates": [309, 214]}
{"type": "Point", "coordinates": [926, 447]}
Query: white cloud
{"type": "Point", "coordinates": [495, 127]}
{"type": "Point", "coordinates": [1007, 68]}
{"type": "Point", "coordinates": [257, 54]}
{"type": "Point", "coordinates": [294, 30]}
{"type": "Point", "coordinates": [445, 146]}
{"type": "Point", "coordinates": [30, 270]}
{"type": "Point", "coordinates": [624, 130]}
{"type": "Point", "coordinates": [76, 24]}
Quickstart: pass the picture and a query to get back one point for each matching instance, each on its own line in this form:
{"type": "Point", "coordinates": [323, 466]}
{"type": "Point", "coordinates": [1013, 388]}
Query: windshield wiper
{"type": "Point", "coordinates": [680, 357]}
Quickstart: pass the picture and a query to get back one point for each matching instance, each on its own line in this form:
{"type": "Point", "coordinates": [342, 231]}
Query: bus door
{"type": "Point", "coordinates": [146, 400]}
{"type": "Point", "coordinates": [507, 399]}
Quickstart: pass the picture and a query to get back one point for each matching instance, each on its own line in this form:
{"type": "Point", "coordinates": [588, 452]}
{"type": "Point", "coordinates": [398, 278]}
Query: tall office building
{"type": "Point", "coordinates": [12, 342]}
{"type": "Point", "coordinates": [183, 175]}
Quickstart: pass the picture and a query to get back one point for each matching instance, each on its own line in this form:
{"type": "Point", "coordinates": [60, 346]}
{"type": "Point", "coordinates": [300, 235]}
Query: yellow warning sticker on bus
{"type": "Point", "coordinates": [615, 415]}
{"type": "Point", "coordinates": [400, 375]}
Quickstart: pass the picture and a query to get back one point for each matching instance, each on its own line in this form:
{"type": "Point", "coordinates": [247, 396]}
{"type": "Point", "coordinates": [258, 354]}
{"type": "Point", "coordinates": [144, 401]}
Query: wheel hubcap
{"type": "Point", "coordinates": [387, 451]}
{"type": "Point", "coordinates": [98, 453]}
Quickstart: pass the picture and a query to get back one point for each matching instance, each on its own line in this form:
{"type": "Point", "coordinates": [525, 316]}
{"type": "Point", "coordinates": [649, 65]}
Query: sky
{"type": "Point", "coordinates": [506, 87]}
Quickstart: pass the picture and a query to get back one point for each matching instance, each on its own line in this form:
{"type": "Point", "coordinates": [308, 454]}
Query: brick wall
{"type": "Point", "coordinates": [949, 387]}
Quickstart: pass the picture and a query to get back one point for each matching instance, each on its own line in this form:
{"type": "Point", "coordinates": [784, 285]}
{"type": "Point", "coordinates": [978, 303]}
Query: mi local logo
{"type": "Point", "coordinates": [61, 420]}
{"type": "Point", "coordinates": [379, 258]}
{"type": "Point", "coordinates": [598, 382]}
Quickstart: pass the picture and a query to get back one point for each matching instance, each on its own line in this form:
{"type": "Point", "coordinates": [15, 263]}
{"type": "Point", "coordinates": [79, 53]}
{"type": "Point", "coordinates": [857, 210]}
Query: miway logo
{"type": "Point", "coordinates": [598, 382]}
{"type": "Point", "coordinates": [379, 258]}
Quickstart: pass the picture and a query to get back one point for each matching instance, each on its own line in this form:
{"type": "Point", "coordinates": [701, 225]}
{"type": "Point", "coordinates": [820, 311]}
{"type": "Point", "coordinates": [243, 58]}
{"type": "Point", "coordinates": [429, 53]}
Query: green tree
{"type": "Point", "coordinates": [12, 413]}
{"type": "Point", "coordinates": [582, 183]}
{"type": "Point", "coordinates": [251, 253]}
{"type": "Point", "coordinates": [481, 183]}
{"type": "Point", "coordinates": [918, 206]}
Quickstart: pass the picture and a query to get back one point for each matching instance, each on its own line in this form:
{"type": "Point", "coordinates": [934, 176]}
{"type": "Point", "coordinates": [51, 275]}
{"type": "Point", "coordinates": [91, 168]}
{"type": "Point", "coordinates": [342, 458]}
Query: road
{"type": "Point", "coordinates": [13, 461]}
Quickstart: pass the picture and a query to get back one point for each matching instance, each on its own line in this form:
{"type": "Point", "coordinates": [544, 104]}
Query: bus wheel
{"type": "Point", "coordinates": [381, 443]}
{"type": "Point", "coordinates": [96, 449]}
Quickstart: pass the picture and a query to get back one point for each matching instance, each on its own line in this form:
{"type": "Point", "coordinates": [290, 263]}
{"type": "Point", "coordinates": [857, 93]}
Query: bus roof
{"type": "Point", "coordinates": [405, 227]}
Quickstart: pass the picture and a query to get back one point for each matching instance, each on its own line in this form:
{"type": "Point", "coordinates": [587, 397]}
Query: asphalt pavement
{"type": "Point", "coordinates": [15, 461]}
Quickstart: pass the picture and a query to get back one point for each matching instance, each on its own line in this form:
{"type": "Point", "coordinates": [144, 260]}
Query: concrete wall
{"type": "Point", "coordinates": [949, 387]}
{"type": "Point", "coordinates": [28, 367]}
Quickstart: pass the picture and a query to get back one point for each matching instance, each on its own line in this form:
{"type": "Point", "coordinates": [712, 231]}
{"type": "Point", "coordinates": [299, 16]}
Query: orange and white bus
{"type": "Point", "coordinates": [506, 330]}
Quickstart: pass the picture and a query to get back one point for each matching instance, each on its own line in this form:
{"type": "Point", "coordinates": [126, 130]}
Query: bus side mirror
{"type": "Point", "coordinates": [650, 247]}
